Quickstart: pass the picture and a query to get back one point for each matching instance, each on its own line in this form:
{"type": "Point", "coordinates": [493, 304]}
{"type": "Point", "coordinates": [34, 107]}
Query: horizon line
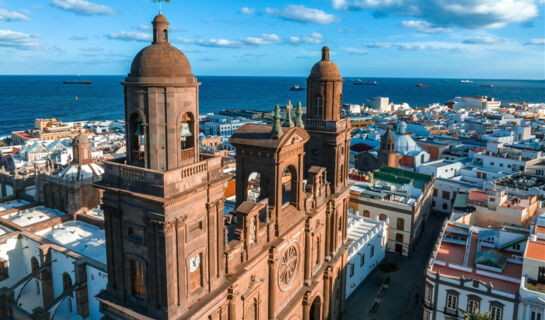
{"type": "Point", "coordinates": [275, 76]}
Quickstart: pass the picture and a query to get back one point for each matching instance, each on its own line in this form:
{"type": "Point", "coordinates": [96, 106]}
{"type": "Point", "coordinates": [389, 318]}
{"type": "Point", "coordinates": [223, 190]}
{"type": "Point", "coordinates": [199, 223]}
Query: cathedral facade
{"type": "Point", "coordinates": [171, 251]}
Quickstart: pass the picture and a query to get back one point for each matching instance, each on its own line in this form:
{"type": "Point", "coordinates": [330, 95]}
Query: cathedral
{"type": "Point", "coordinates": [171, 251]}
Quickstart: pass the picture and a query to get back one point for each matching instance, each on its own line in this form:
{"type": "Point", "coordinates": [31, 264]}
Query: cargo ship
{"type": "Point", "coordinates": [87, 81]}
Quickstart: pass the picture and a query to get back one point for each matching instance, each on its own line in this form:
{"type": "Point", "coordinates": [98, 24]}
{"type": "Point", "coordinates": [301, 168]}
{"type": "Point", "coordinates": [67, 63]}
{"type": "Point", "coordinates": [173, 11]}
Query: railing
{"type": "Point", "coordinates": [132, 173]}
{"type": "Point", "coordinates": [194, 169]}
{"type": "Point", "coordinates": [187, 155]}
{"type": "Point", "coordinates": [326, 124]}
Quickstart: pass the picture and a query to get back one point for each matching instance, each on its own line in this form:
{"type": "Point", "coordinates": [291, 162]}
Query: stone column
{"type": "Point", "coordinates": [308, 258]}
{"type": "Point", "coordinates": [327, 289]}
{"type": "Point", "coordinates": [212, 253]}
{"type": "Point", "coordinates": [168, 266]}
{"type": "Point", "coordinates": [306, 307]}
{"type": "Point", "coordinates": [232, 306]}
{"type": "Point", "coordinates": [180, 237]}
{"type": "Point", "coordinates": [273, 268]}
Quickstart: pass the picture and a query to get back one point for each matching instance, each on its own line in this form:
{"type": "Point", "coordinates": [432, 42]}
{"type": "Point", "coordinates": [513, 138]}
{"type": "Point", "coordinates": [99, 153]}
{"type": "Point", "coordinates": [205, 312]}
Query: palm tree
{"type": "Point", "coordinates": [475, 315]}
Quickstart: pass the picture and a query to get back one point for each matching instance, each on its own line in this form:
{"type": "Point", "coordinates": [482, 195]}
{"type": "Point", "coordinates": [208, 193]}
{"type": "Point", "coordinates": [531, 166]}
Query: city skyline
{"type": "Point", "coordinates": [405, 38]}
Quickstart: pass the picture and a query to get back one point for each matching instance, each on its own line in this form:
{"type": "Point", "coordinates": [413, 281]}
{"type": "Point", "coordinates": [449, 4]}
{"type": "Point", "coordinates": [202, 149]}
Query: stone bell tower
{"type": "Point", "coordinates": [161, 106]}
{"type": "Point", "coordinates": [329, 143]}
{"type": "Point", "coordinates": [163, 203]}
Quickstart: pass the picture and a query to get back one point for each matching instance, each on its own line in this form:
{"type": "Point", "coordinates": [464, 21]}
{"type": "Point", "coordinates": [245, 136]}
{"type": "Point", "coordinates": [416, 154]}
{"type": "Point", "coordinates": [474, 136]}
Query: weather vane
{"type": "Point", "coordinates": [160, 3]}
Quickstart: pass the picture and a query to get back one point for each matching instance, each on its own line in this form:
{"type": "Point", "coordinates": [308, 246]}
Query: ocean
{"type": "Point", "coordinates": [24, 98]}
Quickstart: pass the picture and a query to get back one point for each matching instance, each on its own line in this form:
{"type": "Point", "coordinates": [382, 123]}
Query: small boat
{"type": "Point", "coordinates": [297, 88]}
{"type": "Point", "coordinates": [87, 81]}
{"type": "Point", "coordinates": [466, 81]}
{"type": "Point", "coordinates": [487, 85]}
{"type": "Point", "coordinates": [421, 85]}
{"type": "Point", "coordinates": [374, 83]}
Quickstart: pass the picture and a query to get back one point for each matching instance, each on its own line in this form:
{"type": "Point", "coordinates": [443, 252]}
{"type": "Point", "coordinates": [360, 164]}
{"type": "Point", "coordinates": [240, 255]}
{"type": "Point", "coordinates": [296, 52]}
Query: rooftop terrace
{"type": "Point", "coordinates": [28, 217]}
{"type": "Point", "coordinates": [464, 252]}
{"type": "Point", "coordinates": [79, 237]}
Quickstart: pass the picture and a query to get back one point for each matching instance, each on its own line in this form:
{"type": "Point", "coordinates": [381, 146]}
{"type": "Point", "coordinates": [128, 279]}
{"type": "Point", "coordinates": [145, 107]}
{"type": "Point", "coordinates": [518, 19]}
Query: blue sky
{"type": "Point", "coordinates": [374, 38]}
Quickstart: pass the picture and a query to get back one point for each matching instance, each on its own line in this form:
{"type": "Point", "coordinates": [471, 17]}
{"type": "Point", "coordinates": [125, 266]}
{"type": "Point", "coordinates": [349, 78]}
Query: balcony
{"type": "Point", "coordinates": [450, 312]}
{"type": "Point", "coordinates": [325, 125]}
{"type": "Point", "coordinates": [187, 155]}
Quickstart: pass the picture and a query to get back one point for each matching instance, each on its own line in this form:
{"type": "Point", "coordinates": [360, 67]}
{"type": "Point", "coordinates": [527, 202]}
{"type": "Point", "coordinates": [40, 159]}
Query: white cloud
{"type": "Point", "coordinates": [483, 40]}
{"type": "Point", "coordinates": [82, 7]}
{"type": "Point", "coordinates": [264, 39]}
{"type": "Point", "coordinates": [419, 46]}
{"type": "Point", "coordinates": [6, 15]}
{"type": "Point", "coordinates": [302, 14]}
{"type": "Point", "coordinates": [356, 51]}
{"type": "Point", "coordinates": [129, 36]}
{"type": "Point", "coordinates": [314, 38]}
{"type": "Point", "coordinates": [145, 27]}
{"type": "Point", "coordinates": [18, 40]}
{"type": "Point", "coordinates": [247, 11]}
{"type": "Point", "coordinates": [376, 45]}
{"type": "Point", "coordinates": [535, 42]}
{"type": "Point", "coordinates": [424, 26]}
{"type": "Point", "coordinates": [462, 13]}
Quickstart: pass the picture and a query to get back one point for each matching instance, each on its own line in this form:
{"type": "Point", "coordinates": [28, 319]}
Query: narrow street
{"type": "Point", "coordinates": [402, 300]}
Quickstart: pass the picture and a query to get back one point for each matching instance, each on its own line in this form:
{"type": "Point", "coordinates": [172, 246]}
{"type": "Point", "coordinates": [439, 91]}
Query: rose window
{"type": "Point", "coordinates": [287, 268]}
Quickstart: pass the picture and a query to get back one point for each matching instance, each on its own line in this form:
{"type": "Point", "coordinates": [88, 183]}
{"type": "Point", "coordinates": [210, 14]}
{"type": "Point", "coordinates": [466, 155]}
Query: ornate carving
{"type": "Point", "coordinates": [287, 269]}
{"type": "Point", "coordinates": [251, 231]}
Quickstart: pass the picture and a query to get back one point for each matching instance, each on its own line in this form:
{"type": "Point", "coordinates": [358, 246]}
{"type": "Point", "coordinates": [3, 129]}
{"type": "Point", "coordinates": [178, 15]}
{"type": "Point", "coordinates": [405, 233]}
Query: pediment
{"type": "Point", "coordinates": [293, 136]}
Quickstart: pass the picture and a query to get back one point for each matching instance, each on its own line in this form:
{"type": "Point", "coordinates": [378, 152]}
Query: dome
{"type": "Point", "coordinates": [401, 128]}
{"type": "Point", "coordinates": [160, 59]}
{"type": "Point", "coordinates": [80, 139]}
{"type": "Point", "coordinates": [325, 68]}
{"type": "Point", "coordinates": [387, 137]}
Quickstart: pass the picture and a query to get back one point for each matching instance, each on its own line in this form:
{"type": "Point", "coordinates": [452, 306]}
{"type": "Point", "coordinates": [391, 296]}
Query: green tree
{"type": "Point", "coordinates": [387, 266]}
{"type": "Point", "coordinates": [475, 315]}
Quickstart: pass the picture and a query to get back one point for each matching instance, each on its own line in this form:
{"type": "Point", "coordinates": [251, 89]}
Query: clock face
{"type": "Point", "coordinates": [194, 262]}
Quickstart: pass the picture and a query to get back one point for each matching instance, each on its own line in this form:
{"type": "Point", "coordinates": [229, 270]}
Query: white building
{"type": "Point", "coordinates": [532, 285]}
{"type": "Point", "coordinates": [474, 269]}
{"type": "Point", "coordinates": [368, 240]}
{"type": "Point", "coordinates": [47, 264]}
{"type": "Point", "coordinates": [478, 102]}
{"type": "Point", "coordinates": [380, 103]}
{"type": "Point", "coordinates": [441, 168]}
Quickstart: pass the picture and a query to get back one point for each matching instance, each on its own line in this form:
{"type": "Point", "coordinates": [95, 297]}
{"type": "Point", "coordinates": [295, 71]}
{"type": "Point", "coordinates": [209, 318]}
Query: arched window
{"type": "Point", "coordinates": [366, 213]}
{"type": "Point", "coordinates": [317, 251]}
{"type": "Point", "coordinates": [254, 187]}
{"type": "Point", "coordinates": [399, 237]}
{"type": "Point", "coordinates": [318, 107]}
{"type": "Point", "coordinates": [165, 35]}
{"type": "Point", "coordinates": [66, 282]}
{"type": "Point", "coordinates": [382, 217]}
{"type": "Point", "coordinates": [34, 265]}
{"type": "Point", "coordinates": [137, 278]}
{"type": "Point", "coordinates": [289, 186]}
{"type": "Point", "coordinates": [400, 224]}
{"type": "Point", "coordinates": [187, 132]}
{"type": "Point", "coordinates": [137, 139]}
{"type": "Point", "coordinates": [315, 309]}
